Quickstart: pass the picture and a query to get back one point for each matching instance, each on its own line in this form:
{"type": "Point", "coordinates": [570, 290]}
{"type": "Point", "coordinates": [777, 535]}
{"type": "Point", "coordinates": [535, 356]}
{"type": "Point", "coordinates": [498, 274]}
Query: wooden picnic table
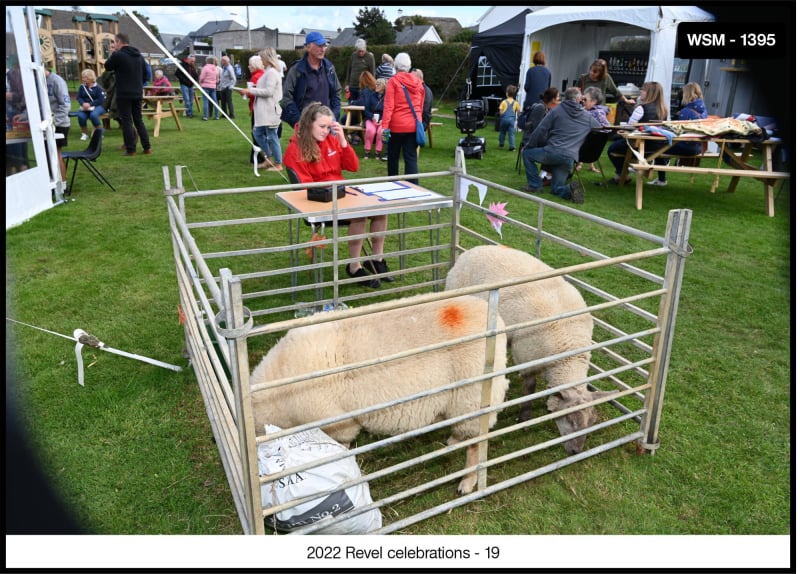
{"type": "Point", "coordinates": [645, 164]}
{"type": "Point", "coordinates": [158, 112]}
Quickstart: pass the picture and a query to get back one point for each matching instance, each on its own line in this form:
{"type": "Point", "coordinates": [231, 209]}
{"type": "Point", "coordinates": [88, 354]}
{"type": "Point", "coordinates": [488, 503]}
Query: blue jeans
{"type": "Point", "coordinates": [559, 164]}
{"type": "Point", "coordinates": [267, 139]}
{"type": "Point", "coordinates": [616, 153]}
{"type": "Point", "coordinates": [680, 148]}
{"type": "Point", "coordinates": [188, 99]}
{"type": "Point", "coordinates": [619, 147]}
{"type": "Point", "coordinates": [210, 94]}
{"type": "Point", "coordinates": [507, 127]}
{"type": "Point", "coordinates": [94, 116]}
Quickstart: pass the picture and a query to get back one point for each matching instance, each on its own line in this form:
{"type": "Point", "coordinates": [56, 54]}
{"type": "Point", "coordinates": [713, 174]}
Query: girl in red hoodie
{"type": "Point", "coordinates": [318, 151]}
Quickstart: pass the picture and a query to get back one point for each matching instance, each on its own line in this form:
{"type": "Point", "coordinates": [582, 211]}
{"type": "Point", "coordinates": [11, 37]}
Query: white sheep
{"type": "Point", "coordinates": [346, 341]}
{"type": "Point", "coordinates": [528, 302]}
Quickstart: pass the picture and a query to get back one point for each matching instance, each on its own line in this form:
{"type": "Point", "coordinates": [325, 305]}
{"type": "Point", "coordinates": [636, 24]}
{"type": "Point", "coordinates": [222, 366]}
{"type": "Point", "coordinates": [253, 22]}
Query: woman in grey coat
{"type": "Point", "coordinates": [267, 110]}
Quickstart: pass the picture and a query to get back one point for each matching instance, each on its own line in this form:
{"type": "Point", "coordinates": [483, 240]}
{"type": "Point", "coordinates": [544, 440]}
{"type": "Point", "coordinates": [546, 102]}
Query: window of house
{"type": "Point", "coordinates": [485, 74]}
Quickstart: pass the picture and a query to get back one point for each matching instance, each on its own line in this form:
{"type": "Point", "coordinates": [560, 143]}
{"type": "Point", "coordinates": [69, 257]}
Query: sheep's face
{"type": "Point", "coordinates": [575, 421]}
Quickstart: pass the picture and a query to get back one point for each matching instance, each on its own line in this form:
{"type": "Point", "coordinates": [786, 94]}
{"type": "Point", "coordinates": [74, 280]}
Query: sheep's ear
{"type": "Point", "coordinates": [554, 403]}
{"type": "Point", "coordinates": [602, 394]}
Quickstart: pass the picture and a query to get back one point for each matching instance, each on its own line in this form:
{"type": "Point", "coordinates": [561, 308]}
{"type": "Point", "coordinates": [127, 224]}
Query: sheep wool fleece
{"type": "Point", "coordinates": [530, 301]}
{"type": "Point", "coordinates": [346, 341]}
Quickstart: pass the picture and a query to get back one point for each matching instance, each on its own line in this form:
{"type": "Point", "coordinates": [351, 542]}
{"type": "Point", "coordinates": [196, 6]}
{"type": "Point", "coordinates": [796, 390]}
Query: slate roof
{"type": "Point", "coordinates": [413, 34]}
{"type": "Point", "coordinates": [347, 38]}
{"type": "Point", "coordinates": [329, 34]}
{"type": "Point", "coordinates": [409, 35]}
{"type": "Point", "coordinates": [171, 40]}
{"type": "Point", "coordinates": [206, 31]}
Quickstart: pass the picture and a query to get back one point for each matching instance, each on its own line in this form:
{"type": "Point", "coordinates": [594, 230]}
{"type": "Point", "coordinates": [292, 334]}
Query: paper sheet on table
{"type": "Point", "coordinates": [407, 193]}
{"type": "Point", "coordinates": [372, 188]}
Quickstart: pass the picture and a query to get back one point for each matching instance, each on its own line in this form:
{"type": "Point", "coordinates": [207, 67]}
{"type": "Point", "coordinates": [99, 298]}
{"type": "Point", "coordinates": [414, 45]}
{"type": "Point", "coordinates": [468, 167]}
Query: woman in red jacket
{"type": "Point", "coordinates": [318, 151]}
{"type": "Point", "coordinates": [398, 119]}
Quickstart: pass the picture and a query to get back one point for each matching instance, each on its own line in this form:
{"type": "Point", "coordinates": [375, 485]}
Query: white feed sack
{"type": "Point", "coordinates": [301, 448]}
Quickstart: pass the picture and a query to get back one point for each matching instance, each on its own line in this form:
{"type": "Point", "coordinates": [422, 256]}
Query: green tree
{"type": "Point", "coordinates": [145, 19]}
{"type": "Point", "coordinates": [372, 25]}
{"type": "Point", "coordinates": [416, 20]}
{"type": "Point", "coordinates": [464, 35]}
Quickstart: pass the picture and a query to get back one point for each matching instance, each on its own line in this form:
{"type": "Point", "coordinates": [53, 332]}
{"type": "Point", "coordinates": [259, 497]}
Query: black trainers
{"type": "Point", "coordinates": [576, 194]}
{"type": "Point", "coordinates": [374, 266]}
{"type": "Point", "coordinates": [369, 282]}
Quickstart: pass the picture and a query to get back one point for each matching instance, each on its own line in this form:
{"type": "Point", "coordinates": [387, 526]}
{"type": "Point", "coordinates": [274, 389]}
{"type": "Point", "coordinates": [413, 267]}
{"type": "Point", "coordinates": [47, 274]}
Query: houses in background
{"type": "Point", "coordinates": [75, 33]}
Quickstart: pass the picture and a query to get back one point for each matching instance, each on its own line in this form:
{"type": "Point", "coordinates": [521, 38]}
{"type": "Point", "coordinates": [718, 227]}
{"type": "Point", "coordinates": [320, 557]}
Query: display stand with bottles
{"type": "Point", "coordinates": [626, 67]}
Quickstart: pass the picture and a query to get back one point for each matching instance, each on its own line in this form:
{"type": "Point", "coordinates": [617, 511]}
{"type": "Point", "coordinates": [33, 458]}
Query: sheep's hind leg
{"type": "Point", "coordinates": [469, 481]}
{"type": "Point", "coordinates": [526, 410]}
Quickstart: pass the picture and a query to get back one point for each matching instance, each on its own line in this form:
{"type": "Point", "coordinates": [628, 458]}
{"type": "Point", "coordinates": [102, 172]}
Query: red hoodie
{"type": "Point", "coordinates": [397, 115]}
{"type": "Point", "coordinates": [334, 159]}
{"type": "Point", "coordinates": [254, 80]}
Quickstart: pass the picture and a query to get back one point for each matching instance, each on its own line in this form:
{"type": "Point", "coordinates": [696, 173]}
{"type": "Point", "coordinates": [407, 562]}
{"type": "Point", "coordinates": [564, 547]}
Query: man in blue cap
{"type": "Point", "coordinates": [312, 79]}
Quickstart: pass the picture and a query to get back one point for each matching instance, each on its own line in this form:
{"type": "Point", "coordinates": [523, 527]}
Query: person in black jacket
{"type": "Point", "coordinates": [427, 105]}
{"type": "Point", "coordinates": [130, 70]}
{"type": "Point", "coordinates": [312, 79]}
{"type": "Point", "coordinates": [187, 87]}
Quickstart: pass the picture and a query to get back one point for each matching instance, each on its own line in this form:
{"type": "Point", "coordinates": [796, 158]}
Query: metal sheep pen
{"type": "Point", "coordinates": [239, 293]}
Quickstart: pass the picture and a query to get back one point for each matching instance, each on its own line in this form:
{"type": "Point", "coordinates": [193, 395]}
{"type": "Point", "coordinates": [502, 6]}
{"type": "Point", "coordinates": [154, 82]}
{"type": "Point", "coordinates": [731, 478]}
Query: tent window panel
{"type": "Point", "coordinates": [485, 74]}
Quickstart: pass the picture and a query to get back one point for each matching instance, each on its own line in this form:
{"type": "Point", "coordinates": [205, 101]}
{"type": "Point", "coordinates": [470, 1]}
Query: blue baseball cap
{"type": "Point", "coordinates": [316, 38]}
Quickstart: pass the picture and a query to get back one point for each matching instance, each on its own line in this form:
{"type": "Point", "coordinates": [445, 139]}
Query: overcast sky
{"type": "Point", "coordinates": [185, 19]}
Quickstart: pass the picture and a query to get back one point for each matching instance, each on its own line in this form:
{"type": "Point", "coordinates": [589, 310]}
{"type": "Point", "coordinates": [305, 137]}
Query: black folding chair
{"type": "Point", "coordinates": [590, 152]}
{"type": "Point", "coordinates": [88, 157]}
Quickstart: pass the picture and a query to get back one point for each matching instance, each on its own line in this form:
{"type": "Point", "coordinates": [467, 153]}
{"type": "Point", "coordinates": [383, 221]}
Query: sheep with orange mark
{"type": "Point", "coordinates": [528, 302]}
{"type": "Point", "coordinates": [346, 341]}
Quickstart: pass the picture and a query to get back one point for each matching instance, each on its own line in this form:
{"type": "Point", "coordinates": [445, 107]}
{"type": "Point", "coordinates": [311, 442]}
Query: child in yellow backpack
{"type": "Point", "coordinates": [508, 110]}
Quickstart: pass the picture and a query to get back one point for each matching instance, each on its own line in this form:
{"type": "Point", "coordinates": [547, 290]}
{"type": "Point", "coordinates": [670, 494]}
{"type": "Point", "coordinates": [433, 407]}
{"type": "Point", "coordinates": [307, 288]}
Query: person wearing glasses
{"type": "Point", "coordinates": [312, 79]}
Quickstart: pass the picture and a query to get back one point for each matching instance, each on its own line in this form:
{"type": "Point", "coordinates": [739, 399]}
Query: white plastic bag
{"type": "Point", "coordinates": [300, 448]}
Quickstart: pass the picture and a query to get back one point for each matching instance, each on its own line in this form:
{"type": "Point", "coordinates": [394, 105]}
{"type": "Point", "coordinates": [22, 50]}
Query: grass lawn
{"type": "Point", "coordinates": [132, 452]}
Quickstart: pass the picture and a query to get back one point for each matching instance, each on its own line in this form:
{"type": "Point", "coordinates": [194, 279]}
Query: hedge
{"type": "Point", "coordinates": [444, 65]}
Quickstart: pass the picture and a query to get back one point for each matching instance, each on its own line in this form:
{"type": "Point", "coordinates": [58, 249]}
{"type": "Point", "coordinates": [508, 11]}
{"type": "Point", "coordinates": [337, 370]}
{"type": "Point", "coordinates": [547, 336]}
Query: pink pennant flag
{"type": "Point", "coordinates": [499, 209]}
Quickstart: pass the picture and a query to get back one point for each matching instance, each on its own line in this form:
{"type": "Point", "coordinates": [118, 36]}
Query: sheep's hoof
{"type": "Point", "coordinates": [525, 414]}
{"type": "Point", "coordinates": [467, 484]}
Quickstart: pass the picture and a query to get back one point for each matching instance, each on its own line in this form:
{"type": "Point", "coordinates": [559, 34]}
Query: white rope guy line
{"type": "Point", "coordinates": [82, 338]}
{"type": "Point", "coordinates": [254, 147]}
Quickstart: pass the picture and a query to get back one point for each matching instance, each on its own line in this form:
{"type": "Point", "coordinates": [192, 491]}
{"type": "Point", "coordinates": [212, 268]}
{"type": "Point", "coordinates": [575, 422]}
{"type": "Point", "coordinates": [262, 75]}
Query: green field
{"type": "Point", "coordinates": [131, 452]}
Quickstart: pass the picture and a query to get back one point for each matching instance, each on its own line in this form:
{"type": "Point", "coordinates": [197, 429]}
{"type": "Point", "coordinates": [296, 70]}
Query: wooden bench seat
{"type": "Point", "coordinates": [755, 173]}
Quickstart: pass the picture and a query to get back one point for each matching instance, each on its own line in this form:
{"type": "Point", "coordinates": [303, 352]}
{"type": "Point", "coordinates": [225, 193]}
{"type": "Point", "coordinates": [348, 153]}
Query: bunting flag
{"type": "Point", "coordinates": [499, 209]}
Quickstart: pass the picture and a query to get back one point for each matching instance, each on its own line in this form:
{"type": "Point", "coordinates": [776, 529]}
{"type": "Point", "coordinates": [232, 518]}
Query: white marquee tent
{"type": "Point", "coordinates": [572, 36]}
{"type": "Point", "coordinates": [39, 187]}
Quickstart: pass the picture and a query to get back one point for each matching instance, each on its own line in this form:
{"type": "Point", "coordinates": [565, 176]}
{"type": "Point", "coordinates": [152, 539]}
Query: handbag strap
{"type": "Point", "coordinates": [410, 105]}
